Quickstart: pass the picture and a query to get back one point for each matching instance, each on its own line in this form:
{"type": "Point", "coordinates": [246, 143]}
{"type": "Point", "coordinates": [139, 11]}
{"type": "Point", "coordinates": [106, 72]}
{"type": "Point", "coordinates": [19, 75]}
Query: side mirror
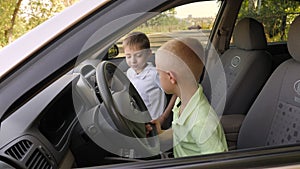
{"type": "Point", "coordinates": [113, 52]}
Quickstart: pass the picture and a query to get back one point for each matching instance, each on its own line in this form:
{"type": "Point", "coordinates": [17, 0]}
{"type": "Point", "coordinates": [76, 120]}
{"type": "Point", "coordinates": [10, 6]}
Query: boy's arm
{"type": "Point", "coordinates": [166, 139]}
{"type": "Point", "coordinates": [165, 136]}
{"type": "Point", "coordinates": [168, 110]}
{"type": "Point", "coordinates": [157, 99]}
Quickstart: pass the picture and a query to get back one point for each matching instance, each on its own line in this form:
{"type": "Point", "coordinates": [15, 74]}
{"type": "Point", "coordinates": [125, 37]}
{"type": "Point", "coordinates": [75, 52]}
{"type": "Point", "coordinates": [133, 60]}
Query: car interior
{"type": "Point", "coordinates": [256, 94]}
{"type": "Point", "coordinates": [256, 109]}
{"type": "Point", "coordinates": [255, 114]}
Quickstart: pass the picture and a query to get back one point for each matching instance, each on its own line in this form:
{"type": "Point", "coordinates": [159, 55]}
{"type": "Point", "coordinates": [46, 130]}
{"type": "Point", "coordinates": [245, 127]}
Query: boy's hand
{"type": "Point", "coordinates": [150, 125]}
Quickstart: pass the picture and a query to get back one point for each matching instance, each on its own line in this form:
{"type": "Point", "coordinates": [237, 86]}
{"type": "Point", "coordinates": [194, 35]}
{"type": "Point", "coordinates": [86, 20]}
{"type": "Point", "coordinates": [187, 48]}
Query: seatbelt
{"type": "Point", "coordinates": [222, 36]}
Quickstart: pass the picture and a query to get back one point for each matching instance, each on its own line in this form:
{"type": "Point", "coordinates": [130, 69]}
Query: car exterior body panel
{"type": "Point", "coordinates": [37, 75]}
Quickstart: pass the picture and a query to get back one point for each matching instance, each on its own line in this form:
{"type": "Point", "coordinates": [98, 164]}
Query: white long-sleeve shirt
{"type": "Point", "coordinates": [148, 86]}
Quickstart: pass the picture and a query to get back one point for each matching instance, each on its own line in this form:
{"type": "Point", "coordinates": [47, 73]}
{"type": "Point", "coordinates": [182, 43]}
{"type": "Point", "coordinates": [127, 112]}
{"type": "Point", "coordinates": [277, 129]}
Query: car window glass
{"type": "Point", "coordinates": [193, 20]}
{"type": "Point", "coordinates": [275, 15]}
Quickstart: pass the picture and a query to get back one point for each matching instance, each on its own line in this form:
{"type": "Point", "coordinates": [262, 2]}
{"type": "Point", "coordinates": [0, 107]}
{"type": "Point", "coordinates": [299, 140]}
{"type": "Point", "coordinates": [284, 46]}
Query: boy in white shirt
{"type": "Point", "coordinates": [143, 75]}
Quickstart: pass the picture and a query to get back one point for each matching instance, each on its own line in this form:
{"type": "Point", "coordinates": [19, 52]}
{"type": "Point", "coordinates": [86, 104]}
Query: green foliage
{"type": "Point", "coordinates": [164, 18]}
{"type": "Point", "coordinates": [276, 15]}
{"type": "Point", "coordinates": [6, 10]}
{"type": "Point", "coordinates": [19, 16]}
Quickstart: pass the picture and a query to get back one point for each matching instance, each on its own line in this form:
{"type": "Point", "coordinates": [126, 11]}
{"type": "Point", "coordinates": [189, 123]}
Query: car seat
{"type": "Point", "coordinates": [274, 117]}
{"type": "Point", "coordinates": [247, 67]}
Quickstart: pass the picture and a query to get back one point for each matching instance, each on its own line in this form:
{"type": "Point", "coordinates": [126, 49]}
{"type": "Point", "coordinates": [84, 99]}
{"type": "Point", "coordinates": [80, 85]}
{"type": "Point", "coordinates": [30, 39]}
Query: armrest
{"type": "Point", "coordinates": [231, 124]}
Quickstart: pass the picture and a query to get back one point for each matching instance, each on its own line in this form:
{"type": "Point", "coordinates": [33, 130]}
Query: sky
{"type": "Point", "coordinates": [199, 9]}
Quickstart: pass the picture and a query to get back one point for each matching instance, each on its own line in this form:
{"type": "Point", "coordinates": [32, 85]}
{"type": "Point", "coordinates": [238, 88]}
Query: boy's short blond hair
{"type": "Point", "coordinates": [189, 52]}
{"type": "Point", "coordinates": [137, 40]}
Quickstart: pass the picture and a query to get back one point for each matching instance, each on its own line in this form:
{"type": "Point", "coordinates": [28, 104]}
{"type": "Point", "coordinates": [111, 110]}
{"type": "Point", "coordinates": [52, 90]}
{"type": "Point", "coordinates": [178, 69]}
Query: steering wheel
{"type": "Point", "coordinates": [125, 111]}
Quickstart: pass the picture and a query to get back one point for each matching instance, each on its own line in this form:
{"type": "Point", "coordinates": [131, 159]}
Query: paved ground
{"type": "Point", "coordinates": [158, 39]}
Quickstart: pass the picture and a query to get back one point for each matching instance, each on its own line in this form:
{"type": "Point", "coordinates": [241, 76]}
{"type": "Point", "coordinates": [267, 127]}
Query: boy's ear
{"type": "Point", "coordinates": [149, 52]}
{"type": "Point", "coordinates": [172, 77]}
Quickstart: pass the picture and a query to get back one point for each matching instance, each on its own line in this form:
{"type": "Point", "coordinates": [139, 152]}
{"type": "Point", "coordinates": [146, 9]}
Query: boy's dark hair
{"type": "Point", "coordinates": [137, 38]}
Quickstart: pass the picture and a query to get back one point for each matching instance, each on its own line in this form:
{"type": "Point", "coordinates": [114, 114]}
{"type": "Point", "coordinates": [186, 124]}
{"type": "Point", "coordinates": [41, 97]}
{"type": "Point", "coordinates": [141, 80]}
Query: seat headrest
{"type": "Point", "coordinates": [293, 42]}
{"type": "Point", "coordinates": [249, 34]}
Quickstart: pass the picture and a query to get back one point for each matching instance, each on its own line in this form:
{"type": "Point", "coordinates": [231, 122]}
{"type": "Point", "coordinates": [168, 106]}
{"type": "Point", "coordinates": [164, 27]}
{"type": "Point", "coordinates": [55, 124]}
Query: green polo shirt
{"type": "Point", "coordinates": [197, 130]}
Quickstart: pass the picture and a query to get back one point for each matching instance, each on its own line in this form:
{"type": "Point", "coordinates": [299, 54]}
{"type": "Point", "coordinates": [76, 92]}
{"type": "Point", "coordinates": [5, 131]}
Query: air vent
{"type": "Point", "coordinates": [38, 161]}
{"type": "Point", "coordinates": [18, 150]}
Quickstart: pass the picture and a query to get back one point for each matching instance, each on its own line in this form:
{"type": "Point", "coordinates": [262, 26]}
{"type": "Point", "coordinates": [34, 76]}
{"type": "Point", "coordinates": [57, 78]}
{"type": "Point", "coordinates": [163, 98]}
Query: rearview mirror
{"type": "Point", "coordinates": [113, 52]}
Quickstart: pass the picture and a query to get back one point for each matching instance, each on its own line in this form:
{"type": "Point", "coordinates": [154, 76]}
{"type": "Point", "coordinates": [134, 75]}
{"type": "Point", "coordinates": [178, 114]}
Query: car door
{"type": "Point", "coordinates": [43, 57]}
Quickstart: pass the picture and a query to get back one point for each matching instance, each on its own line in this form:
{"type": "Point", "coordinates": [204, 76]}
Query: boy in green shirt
{"type": "Point", "coordinates": [195, 128]}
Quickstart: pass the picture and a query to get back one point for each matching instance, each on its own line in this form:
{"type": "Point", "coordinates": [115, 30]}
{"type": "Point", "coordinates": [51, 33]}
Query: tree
{"type": "Point", "coordinates": [19, 16]}
{"type": "Point", "coordinates": [8, 33]}
{"type": "Point", "coordinates": [164, 18]}
{"type": "Point", "coordinates": [7, 17]}
{"type": "Point", "coordinates": [165, 21]}
{"type": "Point", "coordinates": [274, 14]}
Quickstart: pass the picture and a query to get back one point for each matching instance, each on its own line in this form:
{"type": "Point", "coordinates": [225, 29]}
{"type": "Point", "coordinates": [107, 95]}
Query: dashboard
{"type": "Point", "coordinates": [38, 134]}
{"type": "Point", "coordinates": [44, 131]}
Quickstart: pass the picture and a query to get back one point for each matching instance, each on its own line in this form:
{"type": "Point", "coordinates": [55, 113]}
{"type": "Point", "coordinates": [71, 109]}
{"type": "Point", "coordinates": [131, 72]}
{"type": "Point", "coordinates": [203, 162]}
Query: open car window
{"type": "Point", "coordinates": [194, 20]}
